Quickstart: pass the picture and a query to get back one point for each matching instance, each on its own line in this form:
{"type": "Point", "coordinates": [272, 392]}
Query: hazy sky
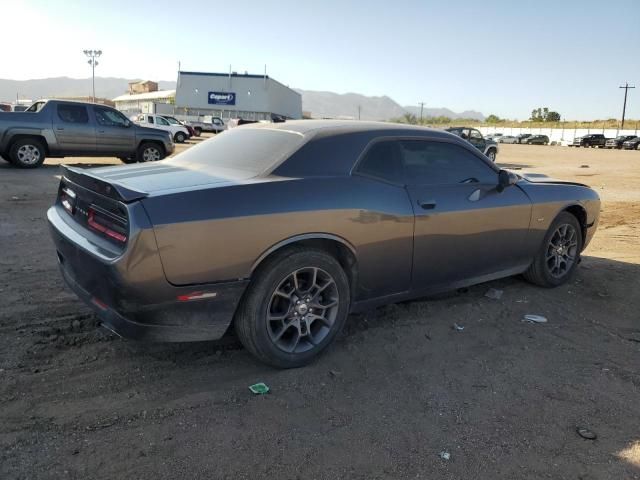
{"type": "Point", "coordinates": [502, 57]}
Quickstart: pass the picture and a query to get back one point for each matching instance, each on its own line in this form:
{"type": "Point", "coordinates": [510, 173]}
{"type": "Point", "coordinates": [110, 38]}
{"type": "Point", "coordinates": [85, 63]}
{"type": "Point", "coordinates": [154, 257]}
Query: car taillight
{"type": "Point", "coordinates": [107, 224]}
{"type": "Point", "coordinates": [68, 199]}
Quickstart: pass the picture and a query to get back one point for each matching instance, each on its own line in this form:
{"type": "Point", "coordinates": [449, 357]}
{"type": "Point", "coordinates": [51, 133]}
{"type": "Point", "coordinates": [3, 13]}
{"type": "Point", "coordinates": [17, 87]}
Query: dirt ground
{"type": "Point", "coordinates": [502, 397]}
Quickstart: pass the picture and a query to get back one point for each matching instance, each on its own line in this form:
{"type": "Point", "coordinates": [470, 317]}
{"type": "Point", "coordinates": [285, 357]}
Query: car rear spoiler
{"type": "Point", "coordinates": [88, 180]}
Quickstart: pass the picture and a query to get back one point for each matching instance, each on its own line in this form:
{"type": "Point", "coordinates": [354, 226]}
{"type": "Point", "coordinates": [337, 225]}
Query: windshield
{"type": "Point", "coordinates": [252, 150]}
{"type": "Point", "coordinates": [172, 120]}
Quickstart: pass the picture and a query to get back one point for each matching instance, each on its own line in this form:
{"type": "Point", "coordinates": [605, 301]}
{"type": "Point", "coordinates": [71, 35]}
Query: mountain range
{"type": "Point", "coordinates": [355, 105]}
{"type": "Point", "coordinates": [319, 104]}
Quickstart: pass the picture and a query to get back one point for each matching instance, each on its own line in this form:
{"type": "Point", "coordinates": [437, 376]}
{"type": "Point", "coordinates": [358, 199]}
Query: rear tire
{"type": "Point", "coordinates": [150, 152]}
{"type": "Point", "coordinates": [559, 255]}
{"type": "Point", "coordinates": [276, 320]}
{"type": "Point", "coordinates": [27, 153]}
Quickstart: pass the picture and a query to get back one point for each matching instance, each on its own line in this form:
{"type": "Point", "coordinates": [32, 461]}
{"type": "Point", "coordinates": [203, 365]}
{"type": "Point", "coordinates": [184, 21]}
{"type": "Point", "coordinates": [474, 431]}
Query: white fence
{"type": "Point", "coordinates": [559, 134]}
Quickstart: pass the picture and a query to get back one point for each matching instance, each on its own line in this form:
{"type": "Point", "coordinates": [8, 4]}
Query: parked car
{"type": "Point", "coordinates": [473, 136]}
{"type": "Point", "coordinates": [57, 128]}
{"type": "Point", "coordinates": [20, 108]}
{"type": "Point", "coordinates": [618, 141]}
{"type": "Point", "coordinates": [178, 132]}
{"type": "Point", "coordinates": [522, 137]}
{"type": "Point", "coordinates": [537, 140]}
{"type": "Point", "coordinates": [286, 228]}
{"type": "Point", "coordinates": [210, 124]}
{"type": "Point", "coordinates": [175, 121]}
{"type": "Point", "coordinates": [493, 136]}
{"type": "Point", "coordinates": [507, 139]}
{"type": "Point", "coordinates": [591, 140]}
{"type": "Point", "coordinates": [631, 144]}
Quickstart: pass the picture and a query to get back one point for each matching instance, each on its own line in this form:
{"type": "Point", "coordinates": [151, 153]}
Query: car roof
{"type": "Point", "coordinates": [339, 127]}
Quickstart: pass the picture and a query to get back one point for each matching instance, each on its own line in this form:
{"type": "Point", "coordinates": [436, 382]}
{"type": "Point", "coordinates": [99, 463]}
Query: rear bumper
{"type": "Point", "coordinates": [211, 323]}
{"type": "Point", "coordinates": [140, 303]}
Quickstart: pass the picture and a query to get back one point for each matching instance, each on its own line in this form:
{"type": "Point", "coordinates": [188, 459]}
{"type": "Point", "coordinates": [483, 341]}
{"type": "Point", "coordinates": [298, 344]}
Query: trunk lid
{"type": "Point", "coordinates": [134, 182]}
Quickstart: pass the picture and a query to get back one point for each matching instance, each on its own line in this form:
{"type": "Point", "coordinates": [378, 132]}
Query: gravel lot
{"type": "Point", "coordinates": [502, 397]}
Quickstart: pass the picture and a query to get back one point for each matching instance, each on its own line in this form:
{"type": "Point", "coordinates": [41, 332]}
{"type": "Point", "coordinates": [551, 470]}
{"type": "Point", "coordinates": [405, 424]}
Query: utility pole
{"type": "Point", "coordinates": [92, 55]}
{"type": "Point", "coordinates": [359, 108]}
{"type": "Point", "coordinates": [421, 110]}
{"type": "Point", "coordinates": [624, 105]}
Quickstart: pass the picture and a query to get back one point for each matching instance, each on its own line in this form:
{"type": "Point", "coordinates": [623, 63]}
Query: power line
{"type": "Point", "coordinates": [624, 105]}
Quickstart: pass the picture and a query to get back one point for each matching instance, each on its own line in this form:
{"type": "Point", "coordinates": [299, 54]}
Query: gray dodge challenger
{"type": "Point", "coordinates": [282, 230]}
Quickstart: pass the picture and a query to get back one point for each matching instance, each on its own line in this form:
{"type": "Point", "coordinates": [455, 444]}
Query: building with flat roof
{"type": "Point", "coordinates": [144, 102]}
{"type": "Point", "coordinates": [234, 95]}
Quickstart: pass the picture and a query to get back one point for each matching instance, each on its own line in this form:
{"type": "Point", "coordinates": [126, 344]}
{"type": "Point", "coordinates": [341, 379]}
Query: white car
{"type": "Point", "coordinates": [179, 132]}
{"type": "Point", "coordinates": [507, 139]}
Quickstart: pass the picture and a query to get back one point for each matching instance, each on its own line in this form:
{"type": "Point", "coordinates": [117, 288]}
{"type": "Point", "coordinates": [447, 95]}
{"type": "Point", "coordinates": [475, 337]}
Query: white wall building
{"type": "Point", "coordinates": [233, 95]}
{"type": "Point", "coordinates": [144, 102]}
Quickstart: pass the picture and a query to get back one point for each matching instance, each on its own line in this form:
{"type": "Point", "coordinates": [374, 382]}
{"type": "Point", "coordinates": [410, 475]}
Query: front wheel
{"type": "Point", "coordinates": [198, 131]}
{"type": "Point", "coordinates": [558, 257]}
{"type": "Point", "coordinates": [150, 152]}
{"type": "Point", "coordinates": [491, 154]}
{"type": "Point", "coordinates": [180, 137]}
{"type": "Point", "coordinates": [298, 301]}
{"type": "Point", "coordinates": [586, 145]}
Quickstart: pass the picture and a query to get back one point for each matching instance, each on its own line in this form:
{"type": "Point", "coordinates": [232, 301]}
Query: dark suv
{"type": "Point", "coordinates": [618, 141]}
{"type": "Point", "coordinates": [591, 140]}
{"type": "Point", "coordinates": [537, 140]}
{"type": "Point", "coordinates": [475, 138]}
{"type": "Point", "coordinates": [631, 144]}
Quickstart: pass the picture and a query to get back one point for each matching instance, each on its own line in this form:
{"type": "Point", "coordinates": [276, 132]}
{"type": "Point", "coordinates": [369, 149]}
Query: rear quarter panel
{"type": "Point", "coordinates": [218, 234]}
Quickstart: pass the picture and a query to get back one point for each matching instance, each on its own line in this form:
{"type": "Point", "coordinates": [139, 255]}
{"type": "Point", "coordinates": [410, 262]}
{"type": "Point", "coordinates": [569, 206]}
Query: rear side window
{"type": "Point", "coordinates": [382, 161]}
{"type": "Point", "coordinates": [440, 163]}
{"type": "Point", "coordinates": [73, 113]}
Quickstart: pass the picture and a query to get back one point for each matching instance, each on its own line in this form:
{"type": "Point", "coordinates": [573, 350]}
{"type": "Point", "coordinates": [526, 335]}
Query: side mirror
{"type": "Point", "coordinates": [506, 179]}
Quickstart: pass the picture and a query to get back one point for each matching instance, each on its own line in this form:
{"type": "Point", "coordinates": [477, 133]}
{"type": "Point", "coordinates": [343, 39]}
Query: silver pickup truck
{"type": "Point", "coordinates": [60, 128]}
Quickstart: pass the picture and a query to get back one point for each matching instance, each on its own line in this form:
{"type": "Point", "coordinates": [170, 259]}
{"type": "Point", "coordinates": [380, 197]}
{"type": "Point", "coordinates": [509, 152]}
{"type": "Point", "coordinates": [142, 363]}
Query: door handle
{"type": "Point", "coordinates": [60, 129]}
{"type": "Point", "coordinates": [427, 204]}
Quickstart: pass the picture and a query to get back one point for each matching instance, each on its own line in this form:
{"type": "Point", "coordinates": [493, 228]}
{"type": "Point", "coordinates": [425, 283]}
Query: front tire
{"type": "Point", "coordinates": [198, 131]}
{"type": "Point", "coordinates": [298, 301]}
{"type": "Point", "coordinates": [27, 153]}
{"type": "Point", "coordinates": [180, 137]}
{"type": "Point", "coordinates": [557, 259]}
{"type": "Point", "coordinates": [150, 152]}
{"type": "Point", "coordinates": [491, 154]}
